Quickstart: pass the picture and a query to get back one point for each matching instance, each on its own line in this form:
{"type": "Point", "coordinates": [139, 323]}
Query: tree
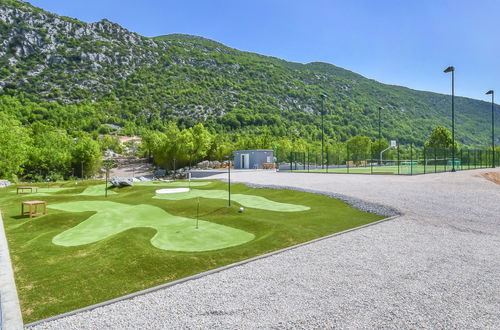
{"type": "Point", "coordinates": [110, 142]}
{"type": "Point", "coordinates": [51, 154]}
{"type": "Point", "coordinates": [14, 149]}
{"type": "Point", "coordinates": [378, 146]}
{"type": "Point", "coordinates": [86, 151]}
{"type": "Point", "coordinates": [195, 142]}
{"type": "Point", "coordinates": [441, 138]}
{"type": "Point", "coordinates": [359, 148]}
{"type": "Point", "coordinates": [221, 147]}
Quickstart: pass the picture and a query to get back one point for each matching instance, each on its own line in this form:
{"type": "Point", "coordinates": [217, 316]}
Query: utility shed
{"type": "Point", "coordinates": [257, 158]}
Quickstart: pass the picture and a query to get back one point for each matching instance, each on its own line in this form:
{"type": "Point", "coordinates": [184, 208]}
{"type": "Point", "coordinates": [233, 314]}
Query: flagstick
{"type": "Point", "coordinates": [197, 212]}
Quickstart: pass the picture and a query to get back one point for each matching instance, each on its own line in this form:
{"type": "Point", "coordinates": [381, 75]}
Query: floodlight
{"type": "Point", "coordinates": [449, 69]}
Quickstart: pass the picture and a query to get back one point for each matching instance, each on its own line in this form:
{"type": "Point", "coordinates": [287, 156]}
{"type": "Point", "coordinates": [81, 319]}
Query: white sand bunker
{"type": "Point", "coordinates": [172, 190]}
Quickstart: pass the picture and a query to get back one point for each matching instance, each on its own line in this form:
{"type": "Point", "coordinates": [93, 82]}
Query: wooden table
{"type": "Point", "coordinates": [35, 204]}
{"type": "Point", "coordinates": [268, 166]}
{"type": "Point", "coordinates": [20, 190]}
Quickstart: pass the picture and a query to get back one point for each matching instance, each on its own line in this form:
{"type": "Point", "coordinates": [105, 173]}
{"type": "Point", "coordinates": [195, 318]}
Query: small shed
{"type": "Point", "coordinates": [254, 159]}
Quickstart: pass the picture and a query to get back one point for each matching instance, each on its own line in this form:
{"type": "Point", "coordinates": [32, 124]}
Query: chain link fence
{"type": "Point", "coordinates": [403, 160]}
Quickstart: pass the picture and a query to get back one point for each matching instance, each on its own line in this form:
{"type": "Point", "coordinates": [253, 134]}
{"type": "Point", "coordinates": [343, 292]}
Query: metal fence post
{"type": "Point", "coordinates": [411, 159]}
{"type": "Point", "coordinates": [445, 159]}
{"type": "Point", "coordinates": [371, 160]}
{"type": "Point", "coordinates": [308, 160]}
{"type": "Point", "coordinates": [327, 159]}
{"type": "Point", "coordinates": [347, 161]}
{"type": "Point", "coordinates": [399, 162]}
{"type": "Point", "coordinates": [425, 160]}
{"type": "Point", "coordinates": [461, 158]}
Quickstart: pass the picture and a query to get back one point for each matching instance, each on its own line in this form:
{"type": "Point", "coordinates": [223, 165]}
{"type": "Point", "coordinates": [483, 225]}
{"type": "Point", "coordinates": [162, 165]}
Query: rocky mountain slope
{"type": "Point", "coordinates": [129, 80]}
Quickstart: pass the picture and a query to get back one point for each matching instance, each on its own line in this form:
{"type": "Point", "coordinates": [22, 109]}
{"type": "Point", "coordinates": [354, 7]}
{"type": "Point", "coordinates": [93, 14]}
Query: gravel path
{"type": "Point", "coordinates": [437, 266]}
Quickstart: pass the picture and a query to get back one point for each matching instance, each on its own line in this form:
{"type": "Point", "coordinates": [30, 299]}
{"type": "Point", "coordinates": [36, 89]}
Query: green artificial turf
{"type": "Point", "coordinates": [97, 190]}
{"type": "Point", "coordinates": [53, 279]}
{"type": "Point", "coordinates": [42, 192]}
{"type": "Point", "coordinates": [253, 201]}
{"type": "Point", "coordinates": [173, 233]}
{"type": "Point", "coordinates": [403, 169]}
{"type": "Point", "coordinates": [173, 183]}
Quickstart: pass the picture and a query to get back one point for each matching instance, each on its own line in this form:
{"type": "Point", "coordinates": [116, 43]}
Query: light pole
{"type": "Point", "coordinates": [228, 180]}
{"type": "Point", "coordinates": [492, 125]}
{"type": "Point", "coordinates": [452, 70]}
{"type": "Point", "coordinates": [379, 123]}
{"type": "Point", "coordinates": [380, 132]}
{"type": "Point", "coordinates": [323, 97]}
{"type": "Point", "coordinates": [107, 166]}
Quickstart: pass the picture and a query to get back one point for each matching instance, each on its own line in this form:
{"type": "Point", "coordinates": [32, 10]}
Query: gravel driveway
{"type": "Point", "coordinates": [437, 266]}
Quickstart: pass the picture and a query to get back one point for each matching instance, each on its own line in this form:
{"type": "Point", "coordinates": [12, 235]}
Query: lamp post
{"type": "Point", "coordinates": [380, 132]}
{"type": "Point", "coordinates": [452, 70]}
{"type": "Point", "coordinates": [379, 123]}
{"type": "Point", "coordinates": [107, 166]}
{"type": "Point", "coordinates": [492, 93]}
{"type": "Point", "coordinates": [323, 97]}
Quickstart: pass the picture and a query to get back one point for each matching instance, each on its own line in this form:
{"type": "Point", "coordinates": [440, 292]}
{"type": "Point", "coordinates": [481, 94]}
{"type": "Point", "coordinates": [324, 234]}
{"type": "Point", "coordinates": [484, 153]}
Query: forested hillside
{"type": "Point", "coordinates": [115, 76]}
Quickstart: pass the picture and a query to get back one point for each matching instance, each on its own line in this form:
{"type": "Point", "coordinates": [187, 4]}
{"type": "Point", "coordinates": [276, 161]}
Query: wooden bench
{"type": "Point", "coordinates": [35, 204]}
{"type": "Point", "coordinates": [20, 190]}
{"type": "Point", "coordinates": [268, 166]}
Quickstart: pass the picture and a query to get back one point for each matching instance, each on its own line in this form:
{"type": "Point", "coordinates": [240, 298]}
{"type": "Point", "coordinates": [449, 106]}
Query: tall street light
{"type": "Point", "coordinates": [228, 180]}
{"type": "Point", "coordinates": [492, 93]}
{"type": "Point", "coordinates": [379, 131]}
{"type": "Point", "coordinates": [452, 70]}
{"type": "Point", "coordinates": [379, 121]}
{"type": "Point", "coordinates": [323, 97]}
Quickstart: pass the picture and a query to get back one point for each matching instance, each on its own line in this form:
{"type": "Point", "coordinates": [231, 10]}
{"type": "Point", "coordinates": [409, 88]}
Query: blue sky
{"type": "Point", "coordinates": [401, 42]}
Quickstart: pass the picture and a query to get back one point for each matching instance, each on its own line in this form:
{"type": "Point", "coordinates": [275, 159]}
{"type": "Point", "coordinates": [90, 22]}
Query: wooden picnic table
{"type": "Point", "coordinates": [268, 166]}
{"type": "Point", "coordinates": [20, 190]}
{"type": "Point", "coordinates": [35, 204]}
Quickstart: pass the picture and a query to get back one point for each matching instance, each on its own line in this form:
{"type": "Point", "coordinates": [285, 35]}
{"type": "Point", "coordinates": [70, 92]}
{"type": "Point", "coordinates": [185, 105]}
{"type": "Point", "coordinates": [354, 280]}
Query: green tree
{"type": "Point", "coordinates": [108, 142]}
{"type": "Point", "coordinates": [154, 144]}
{"type": "Point", "coordinates": [86, 151]}
{"type": "Point", "coordinates": [15, 147]}
{"type": "Point", "coordinates": [195, 143]}
{"type": "Point", "coordinates": [441, 138]}
{"type": "Point", "coordinates": [359, 148]}
{"type": "Point", "coordinates": [221, 147]}
{"type": "Point", "coordinates": [378, 146]}
{"type": "Point", "coordinates": [50, 156]}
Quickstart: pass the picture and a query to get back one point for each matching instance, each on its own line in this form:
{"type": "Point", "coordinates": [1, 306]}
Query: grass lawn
{"type": "Point", "coordinates": [89, 248]}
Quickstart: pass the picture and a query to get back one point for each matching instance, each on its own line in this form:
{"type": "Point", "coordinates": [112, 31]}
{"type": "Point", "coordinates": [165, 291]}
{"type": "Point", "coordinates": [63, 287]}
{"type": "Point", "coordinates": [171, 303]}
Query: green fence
{"type": "Point", "coordinates": [404, 160]}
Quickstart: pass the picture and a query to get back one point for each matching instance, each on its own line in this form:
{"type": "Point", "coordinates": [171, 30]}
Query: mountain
{"type": "Point", "coordinates": [88, 76]}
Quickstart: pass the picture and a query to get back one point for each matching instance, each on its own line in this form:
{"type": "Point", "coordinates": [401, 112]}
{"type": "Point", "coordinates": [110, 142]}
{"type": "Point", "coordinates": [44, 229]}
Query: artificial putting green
{"type": "Point", "coordinates": [97, 190]}
{"type": "Point", "coordinates": [403, 169]}
{"type": "Point", "coordinates": [53, 279]}
{"type": "Point", "coordinates": [253, 201]}
{"type": "Point", "coordinates": [173, 183]}
{"type": "Point", "coordinates": [43, 191]}
{"type": "Point", "coordinates": [174, 233]}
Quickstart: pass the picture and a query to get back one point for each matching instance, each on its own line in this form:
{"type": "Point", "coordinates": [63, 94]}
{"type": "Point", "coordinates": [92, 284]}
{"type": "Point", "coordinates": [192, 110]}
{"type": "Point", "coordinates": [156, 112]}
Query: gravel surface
{"type": "Point", "coordinates": [437, 266]}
